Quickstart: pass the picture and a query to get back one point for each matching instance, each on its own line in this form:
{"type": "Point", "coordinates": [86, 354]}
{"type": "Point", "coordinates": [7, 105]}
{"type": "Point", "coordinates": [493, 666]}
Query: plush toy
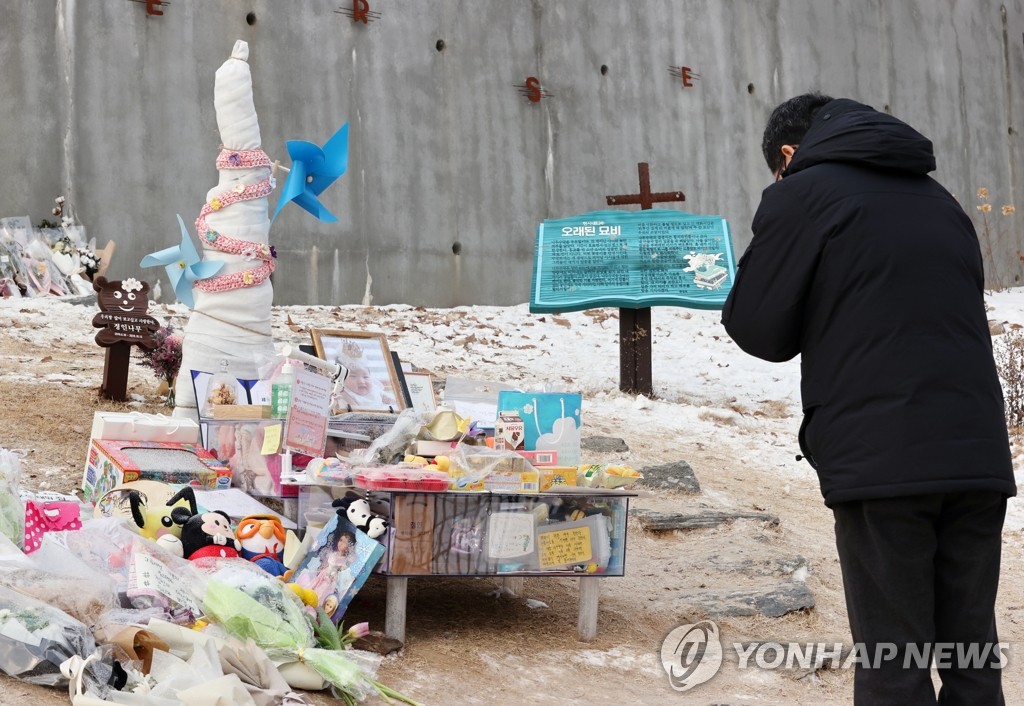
{"type": "Point", "coordinates": [156, 522]}
{"type": "Point", "coordinates": [203, 534]}
{"type": "Point", "coordinates": [262, 539]}
{"type": "Point", "coordinates": [358, 512]}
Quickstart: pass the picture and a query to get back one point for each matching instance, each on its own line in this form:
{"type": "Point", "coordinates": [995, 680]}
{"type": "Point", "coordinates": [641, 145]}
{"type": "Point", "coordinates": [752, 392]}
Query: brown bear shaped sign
{"type": "Point", "coordinates": [123, 323]}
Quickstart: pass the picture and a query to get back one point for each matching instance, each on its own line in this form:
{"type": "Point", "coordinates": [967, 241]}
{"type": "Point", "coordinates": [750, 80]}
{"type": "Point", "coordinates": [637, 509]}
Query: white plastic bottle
{"type": "Point", "coordinates": [281, 392]}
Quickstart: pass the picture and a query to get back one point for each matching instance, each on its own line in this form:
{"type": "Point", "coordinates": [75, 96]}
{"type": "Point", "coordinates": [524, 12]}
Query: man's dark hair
{"type": "Point", "coordinates": [788, 124]}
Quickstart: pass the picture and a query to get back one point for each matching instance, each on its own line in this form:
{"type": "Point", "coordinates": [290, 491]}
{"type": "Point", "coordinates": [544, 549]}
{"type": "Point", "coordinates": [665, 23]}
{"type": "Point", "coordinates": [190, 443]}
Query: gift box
{"type": "Point", "coordinates": [112, 462]}
{"type": "Point", "coordinates": [248, 448]}
{"type": "Point", "coordinates": [136, 426]}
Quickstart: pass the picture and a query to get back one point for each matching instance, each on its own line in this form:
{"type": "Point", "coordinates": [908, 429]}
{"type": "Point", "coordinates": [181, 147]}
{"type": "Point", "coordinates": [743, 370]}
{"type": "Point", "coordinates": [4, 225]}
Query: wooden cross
{"type": "Point", "coordinates": [645, 198]}
{"type": "Point", "coordinates": [635, 324]}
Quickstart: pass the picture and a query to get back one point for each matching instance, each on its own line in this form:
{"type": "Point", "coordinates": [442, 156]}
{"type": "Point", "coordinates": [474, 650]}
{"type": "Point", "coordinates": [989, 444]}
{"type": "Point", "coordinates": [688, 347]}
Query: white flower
{"type": "Point", "coordinates": [131, 285]}
{"type": "Point", "coordinates": [59, 199]}
{"type": "Point", "coordinates": [66, 222]}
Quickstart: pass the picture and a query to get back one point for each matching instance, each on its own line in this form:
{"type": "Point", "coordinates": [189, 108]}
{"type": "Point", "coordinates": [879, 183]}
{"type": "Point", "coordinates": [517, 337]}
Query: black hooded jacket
{"type": "Point", "coordinates": [869, 270]}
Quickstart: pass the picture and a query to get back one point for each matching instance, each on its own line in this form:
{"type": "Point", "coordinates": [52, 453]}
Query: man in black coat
{"type": "Point", "coordinates": [869, 270]}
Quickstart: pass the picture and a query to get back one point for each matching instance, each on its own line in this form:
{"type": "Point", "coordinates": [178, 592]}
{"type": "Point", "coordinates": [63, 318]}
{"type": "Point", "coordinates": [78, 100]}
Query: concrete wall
{"type": "Point", "coordinates": [115, 109]}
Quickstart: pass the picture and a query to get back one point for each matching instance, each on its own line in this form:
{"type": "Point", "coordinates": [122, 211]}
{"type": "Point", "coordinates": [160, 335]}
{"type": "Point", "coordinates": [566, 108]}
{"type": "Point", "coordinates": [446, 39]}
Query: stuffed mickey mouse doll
{"type": "Point", "coordinates": [358, 512]}
{"type": "Point", "coordinates": [203, 534]}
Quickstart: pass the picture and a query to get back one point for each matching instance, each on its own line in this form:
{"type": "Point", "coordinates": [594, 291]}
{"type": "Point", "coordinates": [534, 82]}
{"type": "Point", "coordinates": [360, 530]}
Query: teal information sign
{"type": "Point", "coordinates": [632, 260]}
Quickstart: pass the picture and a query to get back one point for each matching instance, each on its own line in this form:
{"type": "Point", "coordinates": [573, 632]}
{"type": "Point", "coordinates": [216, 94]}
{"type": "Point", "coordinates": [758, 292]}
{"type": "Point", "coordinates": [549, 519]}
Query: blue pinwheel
{"type": "Point", "coordinates": [313, 170]}
{"type": "Point", "coordinates": [183, 266]}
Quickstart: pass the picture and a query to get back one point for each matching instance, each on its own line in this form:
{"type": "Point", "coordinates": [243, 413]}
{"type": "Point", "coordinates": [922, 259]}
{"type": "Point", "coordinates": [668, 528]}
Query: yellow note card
{"type": "Point", "coordinates": [563, 547]}
{"type": "Point", "coordinates": [271, 439]}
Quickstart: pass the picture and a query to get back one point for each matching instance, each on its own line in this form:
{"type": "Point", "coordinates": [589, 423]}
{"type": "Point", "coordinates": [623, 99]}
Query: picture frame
{"type": "Point", "coordinates": [421, 391]}
{"type": "Point", "coordinates": [372, 383]}
{"type": "Point", "coordinates": [400, 371]}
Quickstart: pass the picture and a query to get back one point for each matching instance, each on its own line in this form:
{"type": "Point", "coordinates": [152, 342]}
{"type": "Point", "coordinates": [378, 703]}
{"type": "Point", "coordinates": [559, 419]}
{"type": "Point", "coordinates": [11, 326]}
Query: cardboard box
{"type": "Point", "coordinates": [136, 426]}
{"type": "Point", "coordinates": [509, 432]}
{"type": "Point", "coordinates": [540, 458]}
{"type": "Point", "coordinates": [241, 411]}
{"type": "Point", "coordinates": [411, 549]}
{"type": "Point", "coordinates": [512, 482]}
{"type": "Point", "coordinates": [110, 463]}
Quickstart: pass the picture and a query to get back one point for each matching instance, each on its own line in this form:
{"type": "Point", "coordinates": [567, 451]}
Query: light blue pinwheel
{"type": "Point", "coordinates": [313, 170]}
{"type": "Point", "coordinates": [183, 265]}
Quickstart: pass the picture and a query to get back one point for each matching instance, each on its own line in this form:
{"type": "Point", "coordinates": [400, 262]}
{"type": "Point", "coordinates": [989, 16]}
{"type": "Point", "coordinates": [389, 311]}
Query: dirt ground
{"type": "Point", "coordinates": [468, 644]}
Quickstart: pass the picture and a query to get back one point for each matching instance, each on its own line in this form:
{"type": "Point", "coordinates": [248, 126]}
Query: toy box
{"type": "Point", "coordinates": [248, 448]}
{"type": "Point", "coordinates": [110, 463]}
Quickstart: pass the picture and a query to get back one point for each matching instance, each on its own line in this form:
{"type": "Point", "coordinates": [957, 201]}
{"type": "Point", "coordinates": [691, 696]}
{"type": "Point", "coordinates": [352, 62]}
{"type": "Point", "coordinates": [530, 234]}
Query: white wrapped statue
{"type": "Point", "coordinates": [231, 317]}
{"type": "Point", "coordinates": [229, 291]}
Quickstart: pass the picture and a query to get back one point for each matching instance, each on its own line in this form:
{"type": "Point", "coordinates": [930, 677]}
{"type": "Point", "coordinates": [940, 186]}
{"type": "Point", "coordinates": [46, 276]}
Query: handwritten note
{"type": "Point", "coordinates": [149, 577]}
{"type": "Point", "coordinates": [565, 546]}
{"type": "Point", "coordinates": [510, 535]}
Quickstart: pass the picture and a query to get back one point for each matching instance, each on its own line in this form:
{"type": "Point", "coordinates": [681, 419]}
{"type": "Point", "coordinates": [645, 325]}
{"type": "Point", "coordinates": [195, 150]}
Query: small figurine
{"type": "Point", "coordinates": [262, 539]}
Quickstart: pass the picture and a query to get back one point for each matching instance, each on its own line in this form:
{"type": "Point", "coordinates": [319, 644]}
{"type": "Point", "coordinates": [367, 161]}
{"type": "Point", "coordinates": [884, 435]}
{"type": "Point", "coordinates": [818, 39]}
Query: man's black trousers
{"type": "Point", "coordinates": [923, 569]}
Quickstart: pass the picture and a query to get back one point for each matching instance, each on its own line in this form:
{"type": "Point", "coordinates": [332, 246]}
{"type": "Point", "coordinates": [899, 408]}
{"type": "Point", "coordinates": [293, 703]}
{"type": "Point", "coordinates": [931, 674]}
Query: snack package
{"type": "Point", "coordinates": [603, 475]}
{"type": "Point", "coordinates": [471, 466]}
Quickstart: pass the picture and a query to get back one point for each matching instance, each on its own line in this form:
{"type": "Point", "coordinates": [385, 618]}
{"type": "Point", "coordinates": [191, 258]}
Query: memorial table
{"type": "Point", "coordinates": [568, 532]}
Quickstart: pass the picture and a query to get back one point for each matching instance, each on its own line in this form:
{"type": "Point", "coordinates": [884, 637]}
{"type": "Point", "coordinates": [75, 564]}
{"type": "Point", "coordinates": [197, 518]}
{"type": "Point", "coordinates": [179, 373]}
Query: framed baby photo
{"type": "Point", "coordinates": [372, 383]}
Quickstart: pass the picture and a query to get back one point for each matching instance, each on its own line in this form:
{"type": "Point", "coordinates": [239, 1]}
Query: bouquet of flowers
{"type": "Point", "coordinates": [36, 638]}
{"type": "Point", "coordinates": [165, 359]}
{"type": "Point", "coordinates": [252, 604]}
{"type": "Point", "coordinates": [12, 509]}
